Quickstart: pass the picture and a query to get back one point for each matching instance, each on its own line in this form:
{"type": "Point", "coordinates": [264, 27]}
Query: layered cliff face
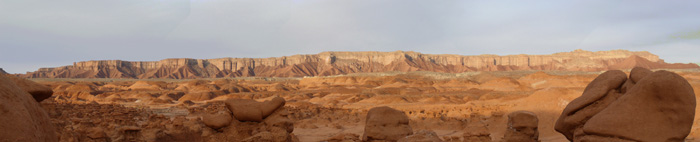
{"type": "Point", "coordinates": [335, 63]}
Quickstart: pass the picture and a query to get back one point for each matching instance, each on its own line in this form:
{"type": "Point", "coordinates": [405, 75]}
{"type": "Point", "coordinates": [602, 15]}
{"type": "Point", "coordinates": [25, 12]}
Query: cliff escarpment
{"type": "Point", "coordinates": [335, 63]}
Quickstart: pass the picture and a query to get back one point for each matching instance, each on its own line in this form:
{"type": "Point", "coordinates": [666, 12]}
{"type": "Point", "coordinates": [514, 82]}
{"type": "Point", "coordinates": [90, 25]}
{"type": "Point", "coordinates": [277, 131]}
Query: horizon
{"type": "Point", "coordinates": [39, 34]}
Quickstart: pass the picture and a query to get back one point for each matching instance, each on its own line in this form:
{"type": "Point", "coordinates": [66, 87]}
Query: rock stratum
{"type": "Point", "coordinates": [336, 63]}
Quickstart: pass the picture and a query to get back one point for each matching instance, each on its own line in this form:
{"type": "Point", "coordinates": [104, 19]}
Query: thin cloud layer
{"type": "Point", "coordinates": [36, 33]}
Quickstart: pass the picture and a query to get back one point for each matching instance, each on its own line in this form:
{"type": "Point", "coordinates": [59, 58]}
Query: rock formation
{"type": "Point", "coordinates": [22, 119]}
{"type": "Point", "coordinates": [2, 71]}
{"type": "Point", "coordinates": [251, 110]}
{"type": "Point", "coordinates": [217, 120]}
{"type": "Point", "coordinates": [385, 123]}
{"type": "Point", "coordinates": [457, 106]}
{"type": "Point", "coordinates": [522, 127]}
{"type": "Point", "coordinates": [335, 63]}
{"type": "Point", "coordinates": [252, 122]}
{"type": "Point", "coordinates": [477, 134]}
{"type": "Point", "coordinates": [422, 136]}
{"type": "Point", "coordinates": [39, 92]}
{"type": "Point", "coordinates": [647, 106]}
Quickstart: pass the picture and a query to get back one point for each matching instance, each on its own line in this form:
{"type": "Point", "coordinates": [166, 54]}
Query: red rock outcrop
{"type": "Point", "coordinates": [251, 110]}
{"type": "Point", "coordinates": [647, 106]}
{"type": "Point", "coordinates": [217, 120]}
{"type": "Point", "coordinates": [22, 117]}
{"type": "Point", "coordinates": [522, 127]}
{"type": "Point", "coordinates": [335, 63]}
{"type": "Point", "coordinates": [386, 124]}
{"type": "Point", "coordinates": [39, 92]}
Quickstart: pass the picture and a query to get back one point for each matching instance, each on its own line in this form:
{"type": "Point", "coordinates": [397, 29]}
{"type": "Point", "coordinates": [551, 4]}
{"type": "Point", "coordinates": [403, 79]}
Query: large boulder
{"type": "Point", "coordinates": [649, 106]}
{"type": "Point", "coordinates": [385, 123]}
{"type": "Point", "coordinates": [522, 127]}
{"type": "Point", "coordinates": [39, 92]}
{"type": "Point", "coordinates": [251, 110]}
{"type": "Point", "coordinates": [22, 119]}
{"type": "Point", "coordinates": [217, 120]}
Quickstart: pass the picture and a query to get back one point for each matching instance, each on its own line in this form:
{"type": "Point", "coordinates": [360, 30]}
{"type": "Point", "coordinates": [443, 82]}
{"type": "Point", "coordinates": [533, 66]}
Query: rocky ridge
{"type": "Point", "coordinates": [336, 63]}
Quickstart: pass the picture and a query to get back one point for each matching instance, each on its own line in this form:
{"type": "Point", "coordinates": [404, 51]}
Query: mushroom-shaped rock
{"type": "Point", "coordinates": [658, 106]}
{"type": "Point", "coordinates": [385, 123]}
{"type": "Point", "coordinates": [39, 92]}
{"type": "Point", "coordinates": [21, 117]}
{"type": "Point", "coordinates": [522, 127]}
{"type": "Point", "coordinates": [251, 110]}
{"type": "Point", "coordinates": [217, 120]}
{"type": "Point", "coordinates": [422, 136]}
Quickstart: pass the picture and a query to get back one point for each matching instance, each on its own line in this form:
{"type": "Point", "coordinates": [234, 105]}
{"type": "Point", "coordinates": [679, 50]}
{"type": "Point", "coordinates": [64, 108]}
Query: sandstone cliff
{"type": "Point", "coordinates": [335, 63]}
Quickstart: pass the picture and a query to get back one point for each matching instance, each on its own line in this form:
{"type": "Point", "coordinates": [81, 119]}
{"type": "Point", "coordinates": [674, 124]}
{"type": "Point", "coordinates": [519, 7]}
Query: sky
{"type": "Point", "coordinates": [51, 33]}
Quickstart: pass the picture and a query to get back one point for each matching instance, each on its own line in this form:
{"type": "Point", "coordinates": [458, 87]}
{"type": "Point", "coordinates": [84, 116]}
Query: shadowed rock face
{"type": "Point", "coordinates": [39, 92]}
{"type": "Point", "coordinates": [21, 117]}
{"type": "Point", "coordinates": [385, 123]}
{"type": "Point", "coordinates": [522, 127]}
{"type": "Point", "coordinates": [649, 106]}
{"type": "Point", "coordinates": [251, 110]}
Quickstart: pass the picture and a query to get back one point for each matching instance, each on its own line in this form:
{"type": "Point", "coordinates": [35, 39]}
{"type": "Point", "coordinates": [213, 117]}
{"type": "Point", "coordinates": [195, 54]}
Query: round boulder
{"type": "Point", "coordinates": [385, 123]}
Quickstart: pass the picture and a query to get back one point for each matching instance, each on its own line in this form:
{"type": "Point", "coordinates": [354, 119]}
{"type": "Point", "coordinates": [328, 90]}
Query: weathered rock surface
{"type": "Point", "coordinates": [251, 110]}
{"type": "Point", "coordinates": [522, 127]}
{"type": "Point", "coordinates": [654, 106]}
{"type": "Point", "coordinates": [217, 120]}
{"type": "Point", "coordinates": [385, 123]}
{"type": "Point", "coordinates": [344, 137]}
{"type": "Point", "coordinates": [21, 117]}
{"type": "Point", "coordinates": [39, 92]}
{"type": "Point", "coordinates": [422, 136]}
{"type": "Point", "coordinates": [335, 63]}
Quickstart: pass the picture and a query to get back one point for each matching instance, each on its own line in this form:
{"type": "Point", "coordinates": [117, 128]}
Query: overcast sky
{"type": "Point", "coordinates": [50, 33]}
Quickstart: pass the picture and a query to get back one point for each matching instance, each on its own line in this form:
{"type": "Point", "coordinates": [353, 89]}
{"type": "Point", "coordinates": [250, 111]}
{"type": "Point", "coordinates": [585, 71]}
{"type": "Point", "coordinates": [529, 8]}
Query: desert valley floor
{"type": "Point", "coordinates": [456, 106]}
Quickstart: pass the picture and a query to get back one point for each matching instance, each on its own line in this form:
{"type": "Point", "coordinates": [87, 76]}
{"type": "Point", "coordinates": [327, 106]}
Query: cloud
{"type": "Point", "coordinates": [58, 33]}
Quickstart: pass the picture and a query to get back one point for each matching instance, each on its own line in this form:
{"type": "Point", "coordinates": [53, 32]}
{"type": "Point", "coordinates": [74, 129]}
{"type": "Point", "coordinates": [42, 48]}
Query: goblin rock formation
{"type": "Point", "coordinates": [21, 117]}
{"type": "Point", "coordinates": [251, 110]}
{"type": "Point", "coordinates": [38, 91]}
{"type": "Point", "coordinates": [385, 123]}
{"type": "Point", "coordinates": [268, 121]}
{"type": "Point", "coordinates": [335, 63]}
{"type": "Point", "coordinates": [522, 127]}
{"type": "Point", "coordinates": [647, 106]}
{"type": "Point", "coordinates": [217, 120]}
